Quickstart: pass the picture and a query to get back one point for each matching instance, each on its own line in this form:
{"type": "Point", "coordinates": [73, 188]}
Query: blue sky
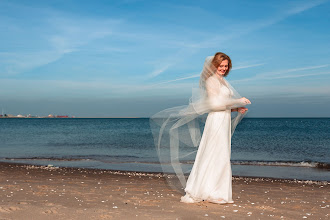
{"type": "Point", "coordinates": [133, 58]}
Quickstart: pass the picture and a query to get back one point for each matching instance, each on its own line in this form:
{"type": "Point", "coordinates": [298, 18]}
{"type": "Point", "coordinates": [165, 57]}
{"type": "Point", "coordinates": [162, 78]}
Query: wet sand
{"type": "Point", "coordinates": [37, 192]}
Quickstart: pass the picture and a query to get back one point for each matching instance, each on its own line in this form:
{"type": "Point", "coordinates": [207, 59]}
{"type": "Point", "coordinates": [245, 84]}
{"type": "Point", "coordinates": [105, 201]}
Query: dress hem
{"type": "Point", "coordinates": [189, 199]}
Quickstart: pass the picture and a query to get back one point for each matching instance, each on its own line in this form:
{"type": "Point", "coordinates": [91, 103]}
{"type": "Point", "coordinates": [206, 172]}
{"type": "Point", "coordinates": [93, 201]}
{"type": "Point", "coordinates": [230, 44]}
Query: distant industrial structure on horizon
{"type": "Point", "coordinates": [34, 116]}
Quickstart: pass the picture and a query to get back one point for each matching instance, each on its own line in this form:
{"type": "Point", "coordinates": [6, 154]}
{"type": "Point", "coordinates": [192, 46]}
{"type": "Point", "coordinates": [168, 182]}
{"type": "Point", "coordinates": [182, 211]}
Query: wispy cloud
{"type": "Point", "coordinates": [293, 70]}
{"type": "Point", "coordinates": [306, 6]}
{"type": "Point", "coordinates": [174, 80]}
{"type": "Point", "coordinates": [247, 66]}
{"type": "Point", "coordinates": [252, 26]}
{"type": "Point", "coordinates": [281, 92]}
{"type": "Point", "coordinates": [14, 63]}
{"type": "Point", "coordinates": [246, 28]}
{"type": "Point", "coordinates": [60, 34]}
{"type": "Point", "coordinates": [167, 62]}
{"type": "Point", "coordinates": [70, 33]}
{"type": "Point", "coordinates": [299, 75]}
{"type": "Point", "coordinates": [283, 74]}
{"type": "Point", "coordinates": [159, 70]}
{"type": "Point", "coordinates": [198, 75]}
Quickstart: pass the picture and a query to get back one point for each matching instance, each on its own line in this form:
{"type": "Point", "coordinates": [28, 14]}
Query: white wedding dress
{"type": "Point", "coordinates": [211, 176]}
{"type": "Point", "coordinates": [177, 135]}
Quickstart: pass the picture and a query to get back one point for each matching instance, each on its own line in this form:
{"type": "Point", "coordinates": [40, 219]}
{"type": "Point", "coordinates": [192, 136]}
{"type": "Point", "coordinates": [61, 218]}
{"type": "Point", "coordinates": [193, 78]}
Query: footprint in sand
{"type": "Point", "coordinates": [105, 217]}
{"type": "Point", "coordinates": [268, 208]}
{"type": "Point", "coordinates": [8, 209]}
{"type": "Point", "coordinates": [50, 211]}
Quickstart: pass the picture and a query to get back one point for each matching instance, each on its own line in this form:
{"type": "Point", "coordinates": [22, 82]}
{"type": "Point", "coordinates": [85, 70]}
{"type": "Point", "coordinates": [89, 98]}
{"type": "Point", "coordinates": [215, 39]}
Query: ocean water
{"type": "Point", "coordinates": [290, 148]}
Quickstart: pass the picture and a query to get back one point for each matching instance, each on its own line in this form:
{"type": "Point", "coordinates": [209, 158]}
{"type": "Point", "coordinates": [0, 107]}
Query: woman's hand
{"type": "Point", "coordinates": [245, 101]}
{"type": "Point", "coordinates": [242, 110]}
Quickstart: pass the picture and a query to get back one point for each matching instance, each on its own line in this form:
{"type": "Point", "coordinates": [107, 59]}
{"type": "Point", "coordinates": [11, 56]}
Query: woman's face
{"type": "Point", "coordinates": [223, 67]}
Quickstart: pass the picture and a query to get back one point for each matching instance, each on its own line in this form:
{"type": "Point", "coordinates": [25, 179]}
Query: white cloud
{"type": "Point", "coordinates": [247, 66]}
{"type": "Point", "coordinates": [198, 75]}
{"type": "Point", "coordinates": [178, 79]}
{"type": "Point", "coordinates": [249, 27]}
{"type": "Point", "coordinates": [160, 70]}
{"type": "Point", "coordinates": [244, 29]}
{"type": "Point", "coordinates": [70, 33]}
{"type": "Point", "coordinates": [299, 75]}
{"type": "Point", "coordinates": [293, 70]}
{"type": "Point", "coordinates": [283, 74]}
{"type": "Point", "coordinates": [58, 34]}
{"type": "Point", "coordinates": [14, 63]}
{"type": "Point", "coordinates": [306, 6]}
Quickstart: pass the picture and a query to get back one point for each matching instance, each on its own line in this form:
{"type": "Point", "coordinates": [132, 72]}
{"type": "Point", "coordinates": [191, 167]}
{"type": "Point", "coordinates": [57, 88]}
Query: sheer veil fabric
{"type": "Point", "coordinates": [178, 135]}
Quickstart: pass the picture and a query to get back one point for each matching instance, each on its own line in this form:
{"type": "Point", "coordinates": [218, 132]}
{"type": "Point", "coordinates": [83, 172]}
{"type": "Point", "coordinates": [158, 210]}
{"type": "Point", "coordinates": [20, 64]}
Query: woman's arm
{"type": "Point", "coordinates": [241, 110]}
{"type": "Point", "coordinates": [216, 104]}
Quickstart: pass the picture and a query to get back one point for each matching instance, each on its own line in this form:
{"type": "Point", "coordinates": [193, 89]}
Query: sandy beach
{"type": "Point", "coordinates": [37, 192]}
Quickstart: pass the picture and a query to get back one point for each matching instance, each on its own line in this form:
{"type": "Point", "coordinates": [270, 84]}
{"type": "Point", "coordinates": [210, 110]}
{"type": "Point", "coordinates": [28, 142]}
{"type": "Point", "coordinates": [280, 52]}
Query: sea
{"type": "Point", "coordinates": [286, 148]}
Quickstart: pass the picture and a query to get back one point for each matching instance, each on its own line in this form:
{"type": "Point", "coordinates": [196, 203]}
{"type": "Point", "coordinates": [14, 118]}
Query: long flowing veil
{"type": "Point", "coordinates": [177, 131]}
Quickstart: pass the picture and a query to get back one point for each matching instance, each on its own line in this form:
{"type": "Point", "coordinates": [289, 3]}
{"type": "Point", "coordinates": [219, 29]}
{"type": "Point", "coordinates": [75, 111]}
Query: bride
{"type": "Point", "coordinates": [210, 178]}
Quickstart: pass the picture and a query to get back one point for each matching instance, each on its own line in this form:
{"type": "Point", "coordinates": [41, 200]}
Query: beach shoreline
{"type": "Point", "coordinates": [159, 174]}
{"type": "Point", "coordinates": [75, 193]}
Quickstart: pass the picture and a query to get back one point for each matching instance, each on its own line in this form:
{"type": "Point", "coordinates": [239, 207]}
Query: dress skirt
{"type": "Point", "coordinates": [211, 176]}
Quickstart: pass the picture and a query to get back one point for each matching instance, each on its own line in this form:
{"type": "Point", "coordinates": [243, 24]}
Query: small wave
{"type": "Point", "coordinates": [47, 159]}
{"type": "Point", "coordinates": [79, 158]}
{"type": "Point", "coordinates": [138, 160]}
{"type": "Point", "coordinates": [320, 165]}
{"type": "Point", "coordinates": [323, 166]}
{"type": "Point", "coordinates": [130, 162]}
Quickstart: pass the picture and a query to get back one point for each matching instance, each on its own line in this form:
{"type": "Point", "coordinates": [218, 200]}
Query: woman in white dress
{"type": "Point", "coordinates": [210, 178]}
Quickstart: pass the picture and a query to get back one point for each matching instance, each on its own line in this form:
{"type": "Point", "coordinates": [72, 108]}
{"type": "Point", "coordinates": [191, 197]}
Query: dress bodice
{"type": "Point", "coordinates": [219, 93]}
{"type": "Point", "coordinates": [224, 90]}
